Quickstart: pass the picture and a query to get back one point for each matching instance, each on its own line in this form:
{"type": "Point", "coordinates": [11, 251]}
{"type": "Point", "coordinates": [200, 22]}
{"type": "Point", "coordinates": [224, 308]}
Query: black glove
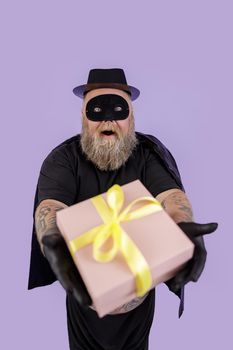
{"type": "Point", "coordinates": [195, 266]}
{"type": "Point", "coordinates": [62, 264]}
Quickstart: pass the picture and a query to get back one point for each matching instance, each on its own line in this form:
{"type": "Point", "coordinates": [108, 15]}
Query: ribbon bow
{"type": "Point", "coordinates": [110, 213]}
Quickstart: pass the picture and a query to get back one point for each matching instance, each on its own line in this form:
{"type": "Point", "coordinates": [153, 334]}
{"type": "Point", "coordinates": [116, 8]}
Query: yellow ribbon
{"type": "Point", "coordinates": [111, 216]}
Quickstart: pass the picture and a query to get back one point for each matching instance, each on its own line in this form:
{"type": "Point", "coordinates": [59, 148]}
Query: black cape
{"type": "Point", "coordinates": [40, 273]}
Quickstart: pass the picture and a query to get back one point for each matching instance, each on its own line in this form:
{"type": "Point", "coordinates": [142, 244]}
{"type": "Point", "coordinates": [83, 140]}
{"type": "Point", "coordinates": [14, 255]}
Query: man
{"type": "Point", "coordinates": [108, 151]}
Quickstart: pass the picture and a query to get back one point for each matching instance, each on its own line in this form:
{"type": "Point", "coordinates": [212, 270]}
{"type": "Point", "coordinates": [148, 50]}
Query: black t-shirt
{"type": "Point", "coordinates": [67, 176]}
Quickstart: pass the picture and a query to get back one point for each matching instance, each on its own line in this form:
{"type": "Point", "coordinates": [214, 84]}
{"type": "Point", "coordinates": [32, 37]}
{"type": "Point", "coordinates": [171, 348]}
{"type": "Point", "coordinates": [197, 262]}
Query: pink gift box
{"type": "Point", "coordinates": [163, 244]}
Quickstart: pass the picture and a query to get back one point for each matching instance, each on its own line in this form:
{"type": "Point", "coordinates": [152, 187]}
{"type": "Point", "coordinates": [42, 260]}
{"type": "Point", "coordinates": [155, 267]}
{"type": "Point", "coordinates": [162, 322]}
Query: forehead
{"type": "Point", "coordinates": [103, 91]}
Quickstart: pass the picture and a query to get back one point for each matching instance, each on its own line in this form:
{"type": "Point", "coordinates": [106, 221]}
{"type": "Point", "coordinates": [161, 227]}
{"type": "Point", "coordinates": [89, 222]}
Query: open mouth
{"type": "Point", "coordinates": [108, 132]}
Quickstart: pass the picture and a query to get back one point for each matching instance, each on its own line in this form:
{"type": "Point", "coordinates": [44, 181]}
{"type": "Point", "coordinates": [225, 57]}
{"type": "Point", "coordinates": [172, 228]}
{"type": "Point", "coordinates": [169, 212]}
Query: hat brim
{"type": "Point", "coordinates": [81, 90]}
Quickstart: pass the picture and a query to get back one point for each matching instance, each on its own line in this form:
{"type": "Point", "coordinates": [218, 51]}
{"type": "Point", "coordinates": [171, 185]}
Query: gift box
{"type": "Point", "coordinates": [123, 244]}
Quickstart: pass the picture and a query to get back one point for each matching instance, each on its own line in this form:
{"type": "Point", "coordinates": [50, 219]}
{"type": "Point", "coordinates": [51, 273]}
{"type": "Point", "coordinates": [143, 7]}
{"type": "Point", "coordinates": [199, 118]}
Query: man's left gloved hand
{"type": "Point", "coordinates": [195, 266]}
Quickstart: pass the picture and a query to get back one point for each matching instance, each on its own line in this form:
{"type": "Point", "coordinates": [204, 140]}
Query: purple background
{"type": "Point", "coordinates": [179, 54]}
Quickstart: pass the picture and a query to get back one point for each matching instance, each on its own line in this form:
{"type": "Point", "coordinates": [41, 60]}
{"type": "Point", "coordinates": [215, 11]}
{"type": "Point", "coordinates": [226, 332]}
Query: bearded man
{"type": "Point", "coordinates": [107, 152]}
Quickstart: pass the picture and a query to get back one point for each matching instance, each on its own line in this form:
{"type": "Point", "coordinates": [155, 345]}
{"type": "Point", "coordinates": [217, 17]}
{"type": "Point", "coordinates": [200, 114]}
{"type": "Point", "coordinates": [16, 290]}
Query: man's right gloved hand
{"type": "Point", "coordinates": [62, 264]}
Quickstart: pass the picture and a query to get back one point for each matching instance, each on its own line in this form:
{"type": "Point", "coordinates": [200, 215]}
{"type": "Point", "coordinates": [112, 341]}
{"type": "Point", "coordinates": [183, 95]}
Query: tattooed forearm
{"type": "Point", "coordinates": [128, 306]}
{"type": "Point", "coordinates": [45, 218]}
{"type": "Point", "coordinates": [178, 207]}
{"type": "Point", "coordinates": [41, 224]}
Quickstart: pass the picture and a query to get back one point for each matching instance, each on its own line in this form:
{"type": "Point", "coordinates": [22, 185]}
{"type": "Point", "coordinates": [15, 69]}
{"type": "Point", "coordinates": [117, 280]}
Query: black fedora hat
{"type": "Point", "coordinates": [106, 78]}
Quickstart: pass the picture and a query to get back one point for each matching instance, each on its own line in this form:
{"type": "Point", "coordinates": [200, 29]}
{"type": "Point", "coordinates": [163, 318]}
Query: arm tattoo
{"type": "Point", "coordinates": [178, 207]}
{"type": "Point", "coordinates": [41, 224]}
{"type": "Point", "coordinates": [128, 306]}
{"type": "Point", "coordinates": [45, 219]}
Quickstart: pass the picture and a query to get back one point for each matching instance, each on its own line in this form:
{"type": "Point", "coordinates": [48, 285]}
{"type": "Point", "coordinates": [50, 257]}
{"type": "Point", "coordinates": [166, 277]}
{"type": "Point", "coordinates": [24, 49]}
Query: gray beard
{"type": "Point", "coordinates": [108, 154]}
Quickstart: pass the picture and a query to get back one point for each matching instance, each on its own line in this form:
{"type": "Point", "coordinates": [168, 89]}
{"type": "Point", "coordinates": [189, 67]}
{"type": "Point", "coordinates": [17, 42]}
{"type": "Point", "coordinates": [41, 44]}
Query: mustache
{"type": "Point", "coordinates": [109, 126]}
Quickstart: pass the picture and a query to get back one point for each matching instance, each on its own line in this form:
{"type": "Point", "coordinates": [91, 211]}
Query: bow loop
{"type": "Point", "coordinates": [115, 199]}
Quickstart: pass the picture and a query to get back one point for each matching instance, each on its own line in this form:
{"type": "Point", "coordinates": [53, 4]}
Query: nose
{"type": "Point", "coordinates": [110, 121]}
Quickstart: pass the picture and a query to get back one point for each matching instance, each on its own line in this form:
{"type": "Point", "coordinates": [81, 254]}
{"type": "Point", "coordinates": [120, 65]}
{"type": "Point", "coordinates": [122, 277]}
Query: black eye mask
{"type": "Point", "coordinates": [107, 107]}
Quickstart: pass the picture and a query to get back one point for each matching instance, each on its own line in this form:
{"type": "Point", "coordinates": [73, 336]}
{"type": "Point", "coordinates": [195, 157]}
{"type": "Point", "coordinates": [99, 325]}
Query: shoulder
{"type": "Point", "coordinates": [150, 144]}
{"type": "Point", "coordinates": [66, 151]}
{"type": "Point", "coordinates": [143, 152]}
{"type": "Point", "coordinates": [163, 153]}
{"type": "Point", "coordinates": [151, 141]}
{"type": "Point", "coordinates": [157, 146]}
